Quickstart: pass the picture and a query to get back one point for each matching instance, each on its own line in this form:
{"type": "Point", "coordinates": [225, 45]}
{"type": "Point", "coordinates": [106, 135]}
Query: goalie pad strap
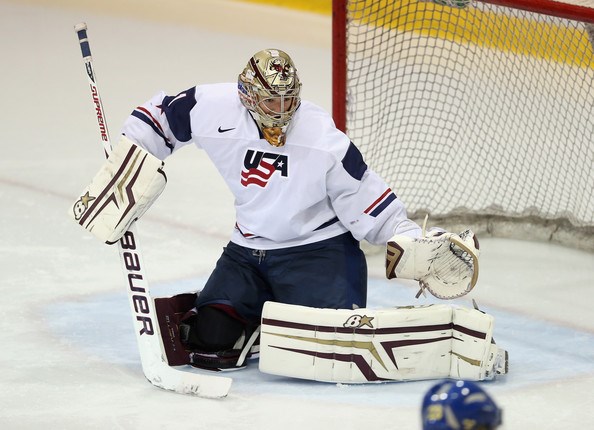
{"type": "Point", "coordinates": [124, 188]}
{"type": "Point", "coordinates": [366, 345]}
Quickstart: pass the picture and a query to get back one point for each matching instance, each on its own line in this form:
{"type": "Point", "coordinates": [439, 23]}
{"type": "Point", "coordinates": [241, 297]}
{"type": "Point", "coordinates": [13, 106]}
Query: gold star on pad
{"type": "Point", "coordinates": [86, 199]}
{"type": "Point", "coordinates": [366, 321]}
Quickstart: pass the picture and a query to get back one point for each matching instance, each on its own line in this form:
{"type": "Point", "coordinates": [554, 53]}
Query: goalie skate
{"type": "Point", "coordinates": [499, 358]}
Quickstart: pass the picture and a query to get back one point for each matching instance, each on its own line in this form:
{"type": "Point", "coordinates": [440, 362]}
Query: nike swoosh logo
{"type": "Point", "coordinates": [223, 130]}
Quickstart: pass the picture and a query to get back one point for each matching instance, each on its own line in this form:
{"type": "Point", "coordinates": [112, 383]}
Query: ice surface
{"type": "Point", "coordinates": [68, 357]}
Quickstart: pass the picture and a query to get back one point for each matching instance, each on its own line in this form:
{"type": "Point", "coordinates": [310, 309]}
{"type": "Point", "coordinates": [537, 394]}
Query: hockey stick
{"type": "Point", "coordinates": [154, 366]}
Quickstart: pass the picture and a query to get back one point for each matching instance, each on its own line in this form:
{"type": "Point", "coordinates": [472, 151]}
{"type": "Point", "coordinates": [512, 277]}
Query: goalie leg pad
{"type": "Point", "coordinates": [475, 356]}
{"type": "Point", "coordinates": [213, 329]}
{"type": "Point", "coordinates": [217, 339]}
{"type": "Point", "coordinates": [127, 184]}
{"type": "Point", "coordinates": [171, 311]}
{"type": "Point", "coordinates": [209, 338]}
{"type": "Point", "coordinates": [366, 345]}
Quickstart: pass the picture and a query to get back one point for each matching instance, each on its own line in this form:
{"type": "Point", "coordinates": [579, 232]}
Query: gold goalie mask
{"type": "Point", "coordinates": [269, 88]}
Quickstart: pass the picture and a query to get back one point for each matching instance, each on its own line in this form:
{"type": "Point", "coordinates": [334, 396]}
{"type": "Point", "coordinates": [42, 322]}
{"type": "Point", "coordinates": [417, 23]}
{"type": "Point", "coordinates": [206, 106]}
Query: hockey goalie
{"type": "Point", "coordinates": [292, 281]}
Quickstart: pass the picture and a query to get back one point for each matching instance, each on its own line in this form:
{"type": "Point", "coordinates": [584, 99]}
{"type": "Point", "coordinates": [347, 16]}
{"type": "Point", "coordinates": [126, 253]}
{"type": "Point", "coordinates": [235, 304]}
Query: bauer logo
{"type": "Point", "coordinates": [358, 321]}
{"type": "Point", "coordinates": [81, 205]}
{"type": "Point", "coordinates": [259, 166]}
{"type": "Point", "coordinates": [137, 285]}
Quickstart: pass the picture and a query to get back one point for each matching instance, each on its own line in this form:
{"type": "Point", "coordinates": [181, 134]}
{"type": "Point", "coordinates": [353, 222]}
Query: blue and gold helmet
{"type": "Point", "coordinates": [463, 405]}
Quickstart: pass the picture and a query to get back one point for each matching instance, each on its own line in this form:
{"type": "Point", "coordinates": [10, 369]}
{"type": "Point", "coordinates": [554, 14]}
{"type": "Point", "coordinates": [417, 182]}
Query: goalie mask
{"type": "Point", "coordinates": [269, 88]}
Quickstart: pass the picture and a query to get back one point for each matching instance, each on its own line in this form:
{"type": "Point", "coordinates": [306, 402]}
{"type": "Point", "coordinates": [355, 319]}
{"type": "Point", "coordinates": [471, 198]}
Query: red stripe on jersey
{"type": "Point", "coordinates": [147, 113]}
{"type": "Point", "coordinates": [246, 235]}
{"type": "Point", "coordinates": [383, 196]}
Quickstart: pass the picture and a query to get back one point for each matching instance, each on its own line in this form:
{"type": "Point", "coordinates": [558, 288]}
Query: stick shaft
{"type": "Point", "coordinates": [142, 306]}
{"type": "Point", "coordinates": [81, 31]}
{"type": "Point", "coordinates": [141, 303]}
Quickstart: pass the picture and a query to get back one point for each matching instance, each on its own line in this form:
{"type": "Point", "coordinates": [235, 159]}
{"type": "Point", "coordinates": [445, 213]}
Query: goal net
{"type": "Point", "coordinates": [476, 113]}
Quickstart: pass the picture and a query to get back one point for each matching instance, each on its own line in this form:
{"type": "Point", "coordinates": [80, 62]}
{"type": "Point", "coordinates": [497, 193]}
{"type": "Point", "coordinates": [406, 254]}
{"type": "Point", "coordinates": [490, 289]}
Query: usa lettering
{"type": "Point", "coordinates": [135, 283]}
{"type": "Point", "coordinates": [276, 162]}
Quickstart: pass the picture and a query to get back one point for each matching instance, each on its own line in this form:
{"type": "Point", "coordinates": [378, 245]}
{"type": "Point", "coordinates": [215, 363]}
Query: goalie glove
{"type": "Point", "coordinates": [444, 263]}
{"type": "Point", "coordinates": [124, 188]}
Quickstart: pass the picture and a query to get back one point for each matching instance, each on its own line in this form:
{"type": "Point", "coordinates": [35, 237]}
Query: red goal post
{"type": "Point", "coordinates": [478, 113]}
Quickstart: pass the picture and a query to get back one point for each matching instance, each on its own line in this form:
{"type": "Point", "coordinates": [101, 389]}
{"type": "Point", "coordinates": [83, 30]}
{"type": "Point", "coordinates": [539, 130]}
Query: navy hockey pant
{"type": "Point", "coordinates": [328, 274]}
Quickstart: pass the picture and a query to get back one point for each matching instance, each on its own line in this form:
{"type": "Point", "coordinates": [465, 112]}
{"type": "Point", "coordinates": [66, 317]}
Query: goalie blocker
{"type": "Point", "coordinates": [127, 184]}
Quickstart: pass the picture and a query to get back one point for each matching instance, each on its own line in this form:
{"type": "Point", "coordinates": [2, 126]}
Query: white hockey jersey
{"type": "Point", "coordinates": [314, 187]}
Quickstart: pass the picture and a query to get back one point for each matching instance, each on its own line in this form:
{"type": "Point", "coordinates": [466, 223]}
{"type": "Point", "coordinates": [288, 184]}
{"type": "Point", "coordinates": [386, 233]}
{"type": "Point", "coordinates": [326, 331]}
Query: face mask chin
{"type": "Point", "coordinates": [274, 131]}
{"type": "Point", "coordinates": [274, 135]}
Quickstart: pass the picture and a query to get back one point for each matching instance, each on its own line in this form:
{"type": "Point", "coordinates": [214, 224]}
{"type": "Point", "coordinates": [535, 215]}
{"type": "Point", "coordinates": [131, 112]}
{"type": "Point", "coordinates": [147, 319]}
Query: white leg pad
{"type": "Point", "coordinates": [367, 345]}
{"type": "Point", "coordinates": [471, 344]}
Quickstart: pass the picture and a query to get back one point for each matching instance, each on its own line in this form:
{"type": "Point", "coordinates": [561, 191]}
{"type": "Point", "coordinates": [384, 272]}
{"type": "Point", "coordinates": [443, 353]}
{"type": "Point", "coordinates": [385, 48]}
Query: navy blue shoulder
{"type": "Point", "coordinates": [353, 162]}
{"type": "Point", "coordinates": [177, 110]}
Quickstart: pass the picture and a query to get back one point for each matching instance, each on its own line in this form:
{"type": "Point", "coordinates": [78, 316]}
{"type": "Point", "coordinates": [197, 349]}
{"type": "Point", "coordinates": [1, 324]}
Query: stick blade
{"type": "Point", "coordinates": [187, 382]}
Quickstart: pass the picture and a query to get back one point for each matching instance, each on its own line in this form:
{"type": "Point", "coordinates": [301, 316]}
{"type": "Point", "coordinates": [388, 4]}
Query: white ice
{"type": "Point", "coordinates": [68, 358]}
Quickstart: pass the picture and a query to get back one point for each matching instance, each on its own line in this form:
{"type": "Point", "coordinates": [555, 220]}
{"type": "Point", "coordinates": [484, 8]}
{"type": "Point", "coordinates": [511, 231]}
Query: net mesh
{"type": "Point", "coordinates": [479, 111]}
